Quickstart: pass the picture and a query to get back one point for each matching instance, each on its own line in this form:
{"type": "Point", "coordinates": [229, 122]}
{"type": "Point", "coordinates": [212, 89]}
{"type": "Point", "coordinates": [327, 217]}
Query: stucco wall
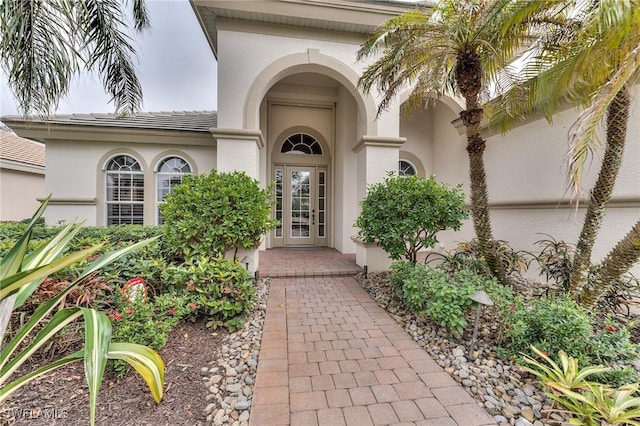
{"type": "Point", "coordinates": [418, 129]}
{"type": "Point", "coordinates": [346, 199]}
{"type": "Point", "coordinates": [75, 175]}
{"type": "Point", "coordinates": [19, 191]}
{"type": "Point", "coordinates": [271, 53]}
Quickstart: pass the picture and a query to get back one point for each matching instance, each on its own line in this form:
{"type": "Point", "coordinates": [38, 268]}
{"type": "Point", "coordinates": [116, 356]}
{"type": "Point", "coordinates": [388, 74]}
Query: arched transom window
{"type": "Point", "coordinates": [170, 172]}
{"type": "Point", "coordinates": [125, 191]}
{"type": "Point", "coordinates": [405, 168]}
{"type": "Point", "coordinates": [301, 143]}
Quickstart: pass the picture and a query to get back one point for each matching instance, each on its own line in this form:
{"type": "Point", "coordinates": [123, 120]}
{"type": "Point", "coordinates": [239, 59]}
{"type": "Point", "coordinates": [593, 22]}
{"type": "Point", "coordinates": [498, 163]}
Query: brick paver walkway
{"type": "Point", "coordinates": [307, 262]}
{"type": "Point", "coordinates": [331, 356]}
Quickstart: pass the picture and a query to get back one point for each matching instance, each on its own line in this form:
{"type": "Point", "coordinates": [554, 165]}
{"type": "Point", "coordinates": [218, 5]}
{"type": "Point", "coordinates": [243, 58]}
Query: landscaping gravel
{"type": "Point", "coordinates": [230, 381]}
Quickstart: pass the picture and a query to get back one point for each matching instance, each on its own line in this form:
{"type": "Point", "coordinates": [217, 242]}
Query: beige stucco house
{"type": "Point", "coordinates": [21, 176]}
{"type": "Point", "coordinates": [290, 112]}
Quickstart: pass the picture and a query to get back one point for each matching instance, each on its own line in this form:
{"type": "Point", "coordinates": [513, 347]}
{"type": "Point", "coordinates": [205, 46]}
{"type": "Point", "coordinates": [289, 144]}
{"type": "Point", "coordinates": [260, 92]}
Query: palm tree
{"type": "Point", "coordinates": [593, 63]}
{"type": "Point", "coordinates": [455, 47]}
{"type": "Point", "coordinates": [45, 43]}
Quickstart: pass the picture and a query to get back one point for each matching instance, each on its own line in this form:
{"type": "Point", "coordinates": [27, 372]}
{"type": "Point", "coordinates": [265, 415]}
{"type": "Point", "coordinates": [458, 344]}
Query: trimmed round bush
{"type": "Point", "coordinates": [210, 214]}
{"type": "Point", "coordinates": [404, 214]}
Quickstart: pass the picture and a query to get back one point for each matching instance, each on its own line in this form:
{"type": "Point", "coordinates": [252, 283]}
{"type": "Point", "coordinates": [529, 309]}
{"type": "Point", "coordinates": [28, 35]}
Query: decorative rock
{"type": "Point", "coordinates": [215, 379]}
{"type": "Point", "coordinates": [242, 404]}
{"type": "Point", "coordinates": [527, 413]}
{"type": "Point", "coordinates": [219, 415]}
{"type": "Point", "coordinates": [235, 387]}
{"type": "Point", "coordinates": [458, 352]}
{"type": "Point", "coordinates": [500, 419]}
{"type": "Point", "coordinates": [523, 422]}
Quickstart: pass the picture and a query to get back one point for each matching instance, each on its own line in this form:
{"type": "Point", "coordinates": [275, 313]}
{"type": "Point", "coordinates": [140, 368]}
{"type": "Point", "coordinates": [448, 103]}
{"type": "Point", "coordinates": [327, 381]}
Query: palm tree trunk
{"type": "Point", "coordinates": [619, 260]}
{"type": "Point", "coordinates": [479, 194]}
{"type": "Point", "coordinates": [469, 81]}
{"type": "Point", "coordinates": [617, 119]}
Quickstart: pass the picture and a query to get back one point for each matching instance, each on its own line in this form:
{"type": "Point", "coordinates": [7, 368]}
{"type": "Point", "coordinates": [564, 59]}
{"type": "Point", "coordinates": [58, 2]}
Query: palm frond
{"type": "Point", "coordinates": [44, 43]}
{"type": "Point", "coordinates": [36, 53]}
{"type": "Point", "coordinates": [100, 24]}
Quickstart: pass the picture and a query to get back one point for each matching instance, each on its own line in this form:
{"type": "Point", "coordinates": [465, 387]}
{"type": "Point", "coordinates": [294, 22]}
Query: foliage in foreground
{"type": "Point", "coordinates": [21, 272]}
{"type": "Point", "coordinates": [404, 214]}
{"type": "Point", "coordinates": [590, 402]}
{"type": "Point", "coordinates": [209, 215]}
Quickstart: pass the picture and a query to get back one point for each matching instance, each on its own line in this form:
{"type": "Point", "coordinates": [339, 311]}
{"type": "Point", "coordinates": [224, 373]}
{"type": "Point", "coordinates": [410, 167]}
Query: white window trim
{"type": "Point", "coordinates": [156, 188]}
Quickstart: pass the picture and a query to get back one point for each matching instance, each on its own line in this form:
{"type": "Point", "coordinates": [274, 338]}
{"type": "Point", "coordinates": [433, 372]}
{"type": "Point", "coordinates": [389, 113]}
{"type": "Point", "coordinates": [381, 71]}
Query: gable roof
{"type": "Point", "coordinates": [21, 150]}
{"type": "Point", "coordinates": [193, 121]}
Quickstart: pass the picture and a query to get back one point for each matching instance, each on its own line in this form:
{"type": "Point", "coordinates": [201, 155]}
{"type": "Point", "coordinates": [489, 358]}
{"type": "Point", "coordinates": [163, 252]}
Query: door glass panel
{"type": "Point", "coordinates": [300, 204]}
{"type": "Point", "coordinates": [321, 202]}
{"type": "Point", "coordinates": [279, 198]}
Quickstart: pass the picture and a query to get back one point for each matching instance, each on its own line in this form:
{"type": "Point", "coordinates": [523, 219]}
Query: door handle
{"type": "Point", "coordinates": [313, 217]}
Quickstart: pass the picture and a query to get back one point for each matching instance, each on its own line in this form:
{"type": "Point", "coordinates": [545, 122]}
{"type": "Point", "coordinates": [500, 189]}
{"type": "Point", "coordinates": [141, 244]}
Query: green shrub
{"type": "Point", "coordinates": [404, 214]}
{"type": "Point", "coordinates": [409, 282]}
{"type": "Point", "coordinates": [449, 300]}
{"type": "Point", "coordinates": [220, 289]}
{"type": "Point", "coordinates": [146, 321]}
{"type": "Point", "coordinates": [208, 215]}
{"type": "Point", "coordinates": [560, 324]}
{"type": "Point", "coordinates": [551, 324]}
{"type": "Point", "coordinates": [442, 297]}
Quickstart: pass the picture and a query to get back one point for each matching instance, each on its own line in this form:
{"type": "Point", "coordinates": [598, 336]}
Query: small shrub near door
{"type": "Point", "coordinates": [404, 214]}
{"type": "Point", "coordinates": [208, 215]}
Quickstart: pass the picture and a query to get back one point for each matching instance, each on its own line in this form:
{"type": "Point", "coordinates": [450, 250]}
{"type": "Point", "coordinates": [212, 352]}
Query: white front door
{"type": "Point", "coordinates": [300, 217]}
{"type": "Point", "coordinates": [301, 206]}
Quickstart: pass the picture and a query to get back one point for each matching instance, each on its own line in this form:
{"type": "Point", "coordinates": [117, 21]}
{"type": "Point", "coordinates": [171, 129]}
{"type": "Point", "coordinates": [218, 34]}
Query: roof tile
{"type": "Point", "coordinates": [195, 121]}
{"type": "Point", "coordinates": [21, 150]}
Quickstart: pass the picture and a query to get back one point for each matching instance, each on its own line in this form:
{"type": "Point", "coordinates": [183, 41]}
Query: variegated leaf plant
{"type": "Point", "coordinates": [20, 276]}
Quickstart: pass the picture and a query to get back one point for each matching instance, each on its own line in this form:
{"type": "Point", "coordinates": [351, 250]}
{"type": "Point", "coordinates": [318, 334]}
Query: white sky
{"type": "Point", "coordinates": [176, 67]}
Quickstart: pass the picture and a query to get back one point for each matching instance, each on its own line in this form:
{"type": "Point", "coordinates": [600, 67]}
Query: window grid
{"type": "Point", "coordinates": [171, 171]}
{"type": "Point", "coordinates": [279, 201]}
{"type": "Point", "coordinates": [125, 191]}
{"type": "Point", "coordinates": [405, 169]}
{"type": "Point", "coordinates": [301, 143]}
{"type": "Point", "coordinates": [322, 199]}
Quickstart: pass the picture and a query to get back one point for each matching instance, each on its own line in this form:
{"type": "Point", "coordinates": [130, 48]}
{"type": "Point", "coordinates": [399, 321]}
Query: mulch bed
{"type": "Point", "coordinates": [61, 398]}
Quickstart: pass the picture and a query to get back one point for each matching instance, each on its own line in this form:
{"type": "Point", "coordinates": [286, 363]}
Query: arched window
{"type": "Point", "coordinates": [125, 191]}
{"type": "Point", "coordinates": [405, 168]}
{"type": "Point", "coordinates": [301, 143]}
{"type": "Point", "coordinates": [170, 172]}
